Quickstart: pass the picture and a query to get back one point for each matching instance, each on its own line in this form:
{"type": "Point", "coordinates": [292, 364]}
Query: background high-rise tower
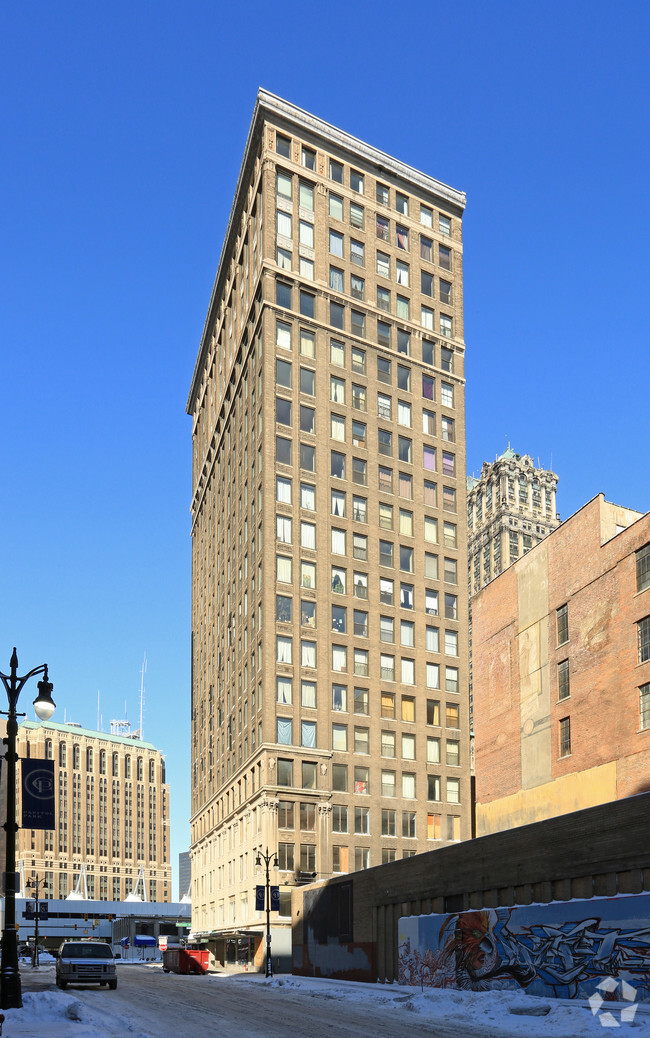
{"type": "Point", "coordinates": [329, 602]}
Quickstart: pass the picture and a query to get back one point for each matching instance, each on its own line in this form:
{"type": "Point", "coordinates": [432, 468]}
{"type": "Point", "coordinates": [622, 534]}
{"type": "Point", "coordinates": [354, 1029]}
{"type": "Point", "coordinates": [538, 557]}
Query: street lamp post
{"type": "Point", "coordinates": [10, 990]}
{"type": "Point", "coordinates": [35, 884]}
{"type": "Point", "coordinates": [266, 858]}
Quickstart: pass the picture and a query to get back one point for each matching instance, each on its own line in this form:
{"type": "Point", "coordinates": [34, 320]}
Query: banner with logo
{"type": "Point", "coordinates": [38, 794]}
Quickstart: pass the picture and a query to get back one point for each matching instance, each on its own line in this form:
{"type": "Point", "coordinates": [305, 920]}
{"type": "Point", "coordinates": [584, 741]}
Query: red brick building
{"type": "Point", "coordinates": [562, 672]}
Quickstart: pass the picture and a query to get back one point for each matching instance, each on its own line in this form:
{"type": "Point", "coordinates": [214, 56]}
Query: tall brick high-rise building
{"type": "Point", "coordinates": [329, 599]}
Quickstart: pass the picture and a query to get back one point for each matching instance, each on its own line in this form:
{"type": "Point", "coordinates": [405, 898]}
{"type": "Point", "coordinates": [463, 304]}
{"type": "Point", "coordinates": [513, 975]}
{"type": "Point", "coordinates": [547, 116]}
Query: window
{"type": "Point", "coordinates": [402, 274]}
{"type": "Point", "coordinates": [360, 585]}
{"type": "Point", "coordinates": [284, 735]}
{"type": "Point", "coordinates": [339, 619]}
{"type": "Point", "coordinates": [307, 419]}
{"type": "Point", "coordinates": [307, 302]}
{"type": "Point", "coordinates": [431, 602]}
{"type": "Point", "coordinates": [451, 643]}
{"type": "Point", "coordinates": [383, 228]}
{"type": "Point", "coordinates": [385, 442]}
{"type": "Point", "coordinates": [360, 621]}
{"type": "Point", "coordinates": [451, 606]}
{"type": "Point", "coordinates": [357, 291]}
{"type": "Point", "coordinates": [361, 780]}
{"type": "Point", "coordinates": [360, 547]}
{"type": "Point", "coordinates": [340, 778]}
{"type": "Point", "coordinates": [446, 394]}
{"type": "Point", "coordinates": [408, 786]}
{"type": "Point", "coordinates": [282, 450]}
{"type": "Point", "coordinates": [643, 568]}
{"type": "Point", "coordinates": [285, 814]}
{"type": "Point", "coordinates": [408, 824]}
{"type": "Point", "coordinates": [357, 253]}
{"type": "Point", "coordinates": [407, 671]}
{"type": "Point", "coordinates": [359, 397]}
{"type": "Point", "coordinates": [429, 458]}
{"type": "Point", "coordinates": [307, 268]}
{"type": "Point", "coordinates": [337, 464]}
{"type": "Point", "coordinates": [283, 569]}
{"type": "Point", "coordinates": [340, 737]}
{"type": "Point", "coordinates": [644, 706]}
{"type": "Point", "coordinates": [401, 237]}
{"type": "Point", "coordinates": [388, 822]}
{"type": "Point", "coordinates": [307, 609]}
{"type": "Point", "coordinates": [283, 335]}
{"type": "Point", "coordinates": [426, 216]}
{"type": "Point", "coordinates": [339, 819]}
{"type": "Point", "coordinates": [453, 791]}
{"type": "Point", "coordinates": [404, 414]}
{"type": "Point", "coordinates": [282, 411]}
{"type": "Point", "coordinates": [444, 257]}
{"type": "Point", "coordinates": [449, 499]}
{"type": "Point", "coordinates": [405, 521]}
{"type": "Point", "coordinates": [336, 243]}
{"type": "Point", "coordinates": [565, 736]}
{"type": "Point", "coordinates": [388, 705]}
{"type": "Point", "coordinates": [383, 298]}
{"type": "Point", "coordinates": [384, 408]}
{"type": "Point", "coordinates": [433, 712]}
{"type": "Point", "coordinates": [339, 697]}
{"type": "Point", "coordinates": [306, 233]}
{"type": "Point", "coordinates": [361, 740]}
{"type": "Point", "coordinates": [562, 616]}
{"type": "Point", "coordinates": [385, 480]}
{"type": "Point", "coordinates": [451, 571]}
{"type": "Point", "coordinates": [428, 387]}
{"type": "Point", "coordinates": [336, 279]}
{"type": "Point", "coordinates": [308, 695]}
{"type": "Point", "coordinates": [358, 360]}
{"type": "Point", "coordinates": [385, 517]}
{"type": "Point", "coordinates": [387, 667]}
{"type": "Point", "coordinates": [385, 553]}
{"type": "Point", "coordinates": [307, 343]}
{"type": "Point", "coordinates": [433, 788]}
{"type": "Point", "coordinates": [308, 817]}
{"type": "Point", "coordinates": [357, 322]}
{"type": "Point", "coordinates": [388, 784]}
{"type": "Point", "coordinates": [307, 381]}
{"type": "Point", "coordinates": [361, 701]}
{"type": "Point", "coordinates": [433, 675]}
{"type": "Point", "coordinates": [382, 194]}
{"type": "Point", "coordinates": [426, 287]}
{"type": "Point", "coordinates": [448, 429]}
{"type": "Point", "coordinates": [308, 158]}
{"type": "Point", "coordinates": [285, 772]}
{"type": "Point", "coordinates": [356, 215]}
{"type": "Point", "coordinates": [405, 558]}
{"type": "Point", "coordinates": [283, 490]}
{"type": "Point", "coordinates": [426, 248]}
{"type": "Point", "coordinates": [433, 750]}
{"type": "Point", "coordinates": [563, 688]}
{"type": "Point", "coordinates": [430, 565]}
{"type": "Point", "coordinates": [404, 313]}
{"type": "Point", "coordinates": [452, 715]}
{"type": "Point", "coordinates": [386, 629]}
{"type": "Point", "coordinates": [356, 181]}
{"type": "Point", "coordinates": [386, 593]}
{"type": "Point", "coordinates": [336, 172]}
{"type": "Point", "coordinates": [338, 506]}
{"type": "Point", "coordinates": [336, 207]}
{"type": "Point", "coordinates": [445, 297]}
{"type": "Point", "coordinates": [307, 457]}
{"type": "Point", "coordinates": [450, 537]}
{"type": "Point", "coordinates": [339, 659]}
{"type": "Point", "coordinates": [307, 858]}
{"type": "Point", "coordinates": [286, 856]}
{"type": "Point", "coordinates": [283, 608]}
{"type": "Point", "coordinates": [643, 628]}
{"type": "Point", "coordinates": [361, 662]}
{"type": "Point", "coordinates": [406, 596]}
{"type": "Point", "coordinates": [284, 185]}
{"type": "Point", "coordinates": [448, 464]}
{"type": "Point", "coordinates": [308, 496]}
{"type": "Point", "coordinates": [446, 326]}
{"type": "Point", "coordinates": [444, 224]}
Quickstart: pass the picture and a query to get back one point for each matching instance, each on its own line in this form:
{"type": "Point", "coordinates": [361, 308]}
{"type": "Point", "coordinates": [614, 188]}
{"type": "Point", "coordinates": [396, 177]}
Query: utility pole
{"type": "Point", "coordinates": [266, 858]}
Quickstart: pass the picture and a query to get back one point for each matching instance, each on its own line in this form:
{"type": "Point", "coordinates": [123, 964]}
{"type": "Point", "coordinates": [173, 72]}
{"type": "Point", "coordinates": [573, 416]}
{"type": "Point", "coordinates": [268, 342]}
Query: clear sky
{"type": "Point", "coordinates": [122, 131]}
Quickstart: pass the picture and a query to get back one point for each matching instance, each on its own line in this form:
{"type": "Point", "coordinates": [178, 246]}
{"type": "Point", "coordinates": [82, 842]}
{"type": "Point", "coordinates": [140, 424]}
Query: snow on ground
{"type": "Point", "coordinates": [50, 1013]}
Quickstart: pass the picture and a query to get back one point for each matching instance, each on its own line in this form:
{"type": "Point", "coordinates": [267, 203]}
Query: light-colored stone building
{"type": "Point", "coordinates": [329, 602]}
{"type": "Point", "coordinates": [111, 810]}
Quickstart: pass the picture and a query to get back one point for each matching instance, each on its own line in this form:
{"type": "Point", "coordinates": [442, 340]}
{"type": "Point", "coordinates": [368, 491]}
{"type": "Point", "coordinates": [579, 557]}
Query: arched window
{"type": "Point", "coordinates": [116, 770]}
{"type": "Point", "coordinates": [62, 755]}
{"type": "Point", "coordinates": [127, 767]}
{"type": "Point", "coordinates": [48, 749]}
{"type": "Point", "coordinates": [89, 759]}
{"type": "Point", "coordinates": [76, 756]}
{"type": "Point", "coordinates": [140, 769]}
{"type": "Point", "coordinates": [102, 762]}
{"type": "Point", "coordinates": [152, 771]}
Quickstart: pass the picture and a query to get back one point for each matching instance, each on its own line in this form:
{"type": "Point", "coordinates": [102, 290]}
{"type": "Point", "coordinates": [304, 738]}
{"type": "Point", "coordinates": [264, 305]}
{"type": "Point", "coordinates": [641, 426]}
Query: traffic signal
{"type": "Point", "coordinates": [86, 916]}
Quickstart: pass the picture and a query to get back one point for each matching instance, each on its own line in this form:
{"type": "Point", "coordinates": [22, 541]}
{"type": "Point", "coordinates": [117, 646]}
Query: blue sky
{"type": "Point", "coordinates": [123, 127]}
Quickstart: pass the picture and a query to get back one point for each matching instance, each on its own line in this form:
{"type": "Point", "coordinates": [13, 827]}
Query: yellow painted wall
{"type": "Point", "coordinates": [561, 796]}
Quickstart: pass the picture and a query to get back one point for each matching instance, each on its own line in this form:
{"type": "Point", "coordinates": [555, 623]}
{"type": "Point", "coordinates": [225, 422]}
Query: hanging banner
{"type": "Point", "coordinates": [38, 793]}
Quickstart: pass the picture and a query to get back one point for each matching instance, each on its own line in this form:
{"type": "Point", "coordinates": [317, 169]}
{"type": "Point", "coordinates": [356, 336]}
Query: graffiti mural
{"type": "Point", "coordinates": [563, 950]}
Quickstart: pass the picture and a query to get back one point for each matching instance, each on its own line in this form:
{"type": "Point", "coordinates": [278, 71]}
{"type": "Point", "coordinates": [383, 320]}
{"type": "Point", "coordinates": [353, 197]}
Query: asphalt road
{"type": "Point", "coordinates": [156, 1003]}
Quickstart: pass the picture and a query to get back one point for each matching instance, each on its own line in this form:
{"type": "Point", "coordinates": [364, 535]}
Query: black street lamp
{"type": "Point", "coordinates": [266, 858]}
{"type": "Point", "coordinates": [35, 884]}
{"type": "Point", "coordinates": [10, 990]}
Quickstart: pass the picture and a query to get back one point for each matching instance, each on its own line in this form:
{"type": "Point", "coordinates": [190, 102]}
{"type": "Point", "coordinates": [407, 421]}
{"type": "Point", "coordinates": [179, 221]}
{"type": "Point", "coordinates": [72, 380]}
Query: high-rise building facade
{"type": "Point", "coordinates": [111, 812]}
{"type": "Point", "coordinates": [329, 600]}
